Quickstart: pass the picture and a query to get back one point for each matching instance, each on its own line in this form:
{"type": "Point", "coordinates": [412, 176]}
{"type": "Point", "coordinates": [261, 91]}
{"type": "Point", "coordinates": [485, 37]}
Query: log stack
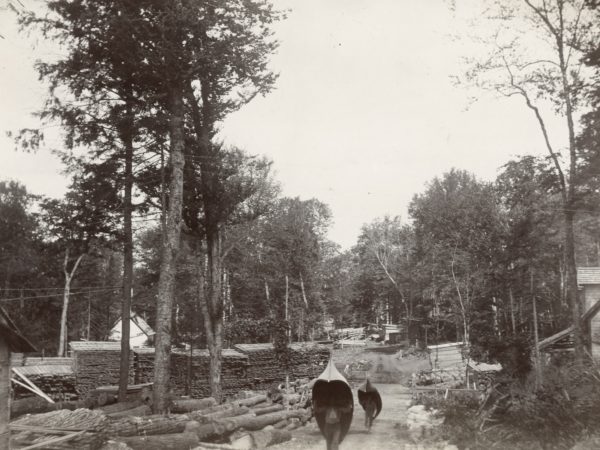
{"type": "Point", "coordinates": [307, 360]}
{"type": "Point", "coordinates": [56, 381]}
{"type": "Point", "coordinates": [233, 371]}
{"type": "Point", "coordinates": [263, 367]}
{"type": "Point", "coordinates": [143, 364]}
{"type": "Point", "coordinates": [97, 363]}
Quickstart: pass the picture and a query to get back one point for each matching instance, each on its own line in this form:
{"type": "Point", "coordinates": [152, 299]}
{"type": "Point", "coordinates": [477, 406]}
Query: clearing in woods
{"type": "Point", "coordinates": [396, 398]}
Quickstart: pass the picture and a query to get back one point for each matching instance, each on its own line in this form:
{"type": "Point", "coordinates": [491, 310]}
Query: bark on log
{"type": "Point", "coordinates": [143, 410]}
{"type": "Point", "coordinates": [267, 409]}
{"type": "Point", "coordinates": [291, 399]}
{"type": "Point", "coordinates": [192, 404]}
{"type": "Point", "coordinates": [118, 407]}
{"type": "Point", "coordinates": [261, 439]}
{"type": "Point", "coordinates": [254, 423]}
{"type": "Point", "coordinates": [149, 425]}
{"type": "Point", "coordinates": [35, 405]}
{"type": "Point", "coordinates": [281, 424]}
{"type": "Point", "coordinates": [251, 401]}
{"type": "Point", "coordinates": [175, 441]}
{"type": "Point", "coordinates": [233, 412]}
{"type": "Point", "coordinates": [265, 438]}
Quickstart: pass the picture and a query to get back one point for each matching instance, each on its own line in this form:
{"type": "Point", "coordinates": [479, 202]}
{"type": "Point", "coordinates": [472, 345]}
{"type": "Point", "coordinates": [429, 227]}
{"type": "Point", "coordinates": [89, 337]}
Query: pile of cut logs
{"type": "Point", "coordinates": [233, 371]}
{"type": "Point", "coordinates": [306, 360]}
{"type": "Point", "coordinates": [96, 363]}
{"type": "Point", "coordinates": [58, 382]}
{"type": "Point", "coordinates": [252, 420]}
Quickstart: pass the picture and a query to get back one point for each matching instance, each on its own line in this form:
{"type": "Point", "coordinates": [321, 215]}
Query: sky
{"type": "Point", "coordinates": [364, 112]}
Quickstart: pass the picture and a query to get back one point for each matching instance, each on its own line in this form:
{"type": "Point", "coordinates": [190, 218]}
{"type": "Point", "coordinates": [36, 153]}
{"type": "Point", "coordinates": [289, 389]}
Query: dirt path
{"type": "Point", "coordinates": [383, 436]}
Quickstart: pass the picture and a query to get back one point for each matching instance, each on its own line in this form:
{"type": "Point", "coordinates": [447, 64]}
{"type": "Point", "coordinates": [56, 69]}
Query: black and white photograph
{"type": "Point", "coordinates": [300, 224]}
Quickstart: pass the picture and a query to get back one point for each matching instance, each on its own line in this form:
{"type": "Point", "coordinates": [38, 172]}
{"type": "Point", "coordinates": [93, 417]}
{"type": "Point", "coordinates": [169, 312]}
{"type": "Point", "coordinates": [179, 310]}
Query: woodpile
{"type": "Point", "coordinates": [96, 363]}
{"type": "Point", "coordinates": [233, 372]}
{"type": "Point", "coordinates": [306, 360]}
{"type": "Point", "coordinates": [54, 376]}
{"type": "Point", "coordinates": [249, 422]}
{"type": "Point", "coordinates": [56, 381]}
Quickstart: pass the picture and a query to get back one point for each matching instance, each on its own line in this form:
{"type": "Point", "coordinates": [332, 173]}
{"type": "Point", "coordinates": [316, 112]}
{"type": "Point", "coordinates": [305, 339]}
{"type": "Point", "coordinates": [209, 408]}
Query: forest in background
{"type": "Point", "coordinates": [164, 219]}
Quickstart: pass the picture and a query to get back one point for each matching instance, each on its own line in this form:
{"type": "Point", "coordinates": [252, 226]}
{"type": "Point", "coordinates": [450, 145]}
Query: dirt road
{"type": "Point", "coordinates": [383, 436]}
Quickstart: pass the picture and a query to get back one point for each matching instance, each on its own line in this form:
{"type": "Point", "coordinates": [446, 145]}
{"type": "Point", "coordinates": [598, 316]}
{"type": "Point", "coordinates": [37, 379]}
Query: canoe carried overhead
{"type": "Point", "coordinates": [332, 396]}
{"type": "Point", "coordinates": [367, 392]}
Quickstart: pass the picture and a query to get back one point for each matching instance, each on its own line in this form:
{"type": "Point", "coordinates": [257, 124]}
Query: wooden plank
{"type": "Point", "coordinates": [64, 438]}
{"type": "Point", "coordinates": [33, 386]}
{"type": "Point", "coordinates": [14, 380]}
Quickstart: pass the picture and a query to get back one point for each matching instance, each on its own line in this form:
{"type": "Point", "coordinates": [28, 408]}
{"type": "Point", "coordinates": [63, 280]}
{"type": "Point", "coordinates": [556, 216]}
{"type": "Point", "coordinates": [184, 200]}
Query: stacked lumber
{"type": "Point", "coordinates": [306, 360]}
{"type": "Point", "coordinates": [56, 381]}
{"type": "Point", "coordinates": [233, 371]}
{"type": "Point", "coordinates": [263, 368]}
{"type": "Point", "coordinates": [143, 364]}
{"type": "Point", "coordinates": [96, 363]}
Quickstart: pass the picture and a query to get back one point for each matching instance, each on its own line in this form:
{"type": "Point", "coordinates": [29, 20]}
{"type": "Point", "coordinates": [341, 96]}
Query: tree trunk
{"type": "Point", "coordinates": [175, 441]}
{"type": "Point", "coordinates": [127, 138]}
{"type": "Point", "coordinates": [192, 404]}
{"type": "Point", "coordinates": [170, 249]}
{"type": "Point", "coordinates": [62, 344]}
{"type": "Point", "coordinates": [148, 425]}
{"type": "Point", "coordinates": [572, 296]}
{"type": "Point", "coordinates": [512, 310]}
{"type": "Point", "coordinates": [138, 411]}
{"type": "Point", "coordinates": [36, 405]}
{"type": "Point", "coordinates": [212, 311]}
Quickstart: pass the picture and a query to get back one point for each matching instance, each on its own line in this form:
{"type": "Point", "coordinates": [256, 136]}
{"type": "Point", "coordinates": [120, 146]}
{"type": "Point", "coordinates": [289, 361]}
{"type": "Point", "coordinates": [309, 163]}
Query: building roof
{"type": "Point", "coordinates": [49, 370]}
{"type": "Point", "coordinates": [588, 275]}
{"type": "Point", "coordinates": [9, 331]}
{"type": "Point", "coordinates": [88, 346]}
{"type": "Point", "coordinates": [140, 322]}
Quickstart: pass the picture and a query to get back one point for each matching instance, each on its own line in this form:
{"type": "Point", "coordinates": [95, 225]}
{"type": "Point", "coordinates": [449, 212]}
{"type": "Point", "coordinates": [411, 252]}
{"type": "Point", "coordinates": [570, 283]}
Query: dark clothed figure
{"type": "Point", "coordinates": [370, 407]}
{"type": "Point", "coordinates": [333, 416]}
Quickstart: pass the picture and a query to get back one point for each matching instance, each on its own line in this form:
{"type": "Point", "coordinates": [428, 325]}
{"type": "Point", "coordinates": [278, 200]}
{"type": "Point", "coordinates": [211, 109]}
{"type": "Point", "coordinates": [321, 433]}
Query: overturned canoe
{"type": "Point", "coordinates": [332, 390]}
{"type": "Point", "coordinates": [367, 391]}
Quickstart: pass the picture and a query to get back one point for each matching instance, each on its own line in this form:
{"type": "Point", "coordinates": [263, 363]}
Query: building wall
{"type": "Point", "coordinates": [591, 294]}
{"type": "Point", "coordinates": [4, 393]}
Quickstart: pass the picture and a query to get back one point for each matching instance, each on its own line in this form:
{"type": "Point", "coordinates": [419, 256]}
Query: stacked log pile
{"type": "Point", "coordinates": [143, 364]}
{"type": "Point", "coordinates": [263, 368]}
{"type": "Point", "coordinates": [233, 371]}
{"type": "Point", "coordinates": [96, 363]}
{"type": "Point", "coordinates": [56, 381]}
{"type": "Point", "coordinates": [306, 360]}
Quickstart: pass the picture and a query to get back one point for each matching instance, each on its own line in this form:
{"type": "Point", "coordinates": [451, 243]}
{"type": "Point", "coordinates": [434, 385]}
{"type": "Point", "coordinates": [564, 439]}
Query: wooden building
{"type": "Point", "coordinates": [446, 356]}
{"type": "Point", "coordinates": [588, 282]}
{"type": "Point", "coordinates": [11, 340]}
